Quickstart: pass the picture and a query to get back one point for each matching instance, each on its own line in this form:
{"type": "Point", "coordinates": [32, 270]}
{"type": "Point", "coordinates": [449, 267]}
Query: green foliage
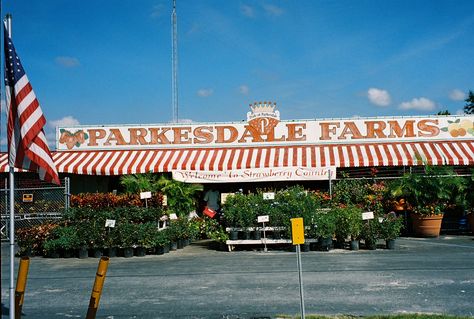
{"type": "Point", "coordinates": [348, 222]}
{"type": "Point", "coordinates": [371, 230]}
{"type": "Point", "coordinates": [349, 191]}
{"type": "Point", "coordinates": [431, 192]}
{"type": "Point", "coordinates": [182, 197]}
{"type": "Point", "coordinates": [137, 183]}
{"type": "Point", "coordinates": [469, 107]}
{"type": "Point", "coordinates": [242, 210]}
{"type": "Point", "coordinates": [128, 234]}
{"type": "Point", "coordinates": [391, 226]}
{"type": "Point", "coordinates": [63, 237]}
{"type": "Point", "coordinates": [324, 224]}
{"type": "Point", "coordinates": [160, 238]}
{"type": "Point", "coordinates": [145, 234]}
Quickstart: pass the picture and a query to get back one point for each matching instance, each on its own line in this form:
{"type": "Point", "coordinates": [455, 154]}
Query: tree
{"type": "Point", "coordinates": [469, 107]}
{"type": "Point", "coordinates": [445, 112]}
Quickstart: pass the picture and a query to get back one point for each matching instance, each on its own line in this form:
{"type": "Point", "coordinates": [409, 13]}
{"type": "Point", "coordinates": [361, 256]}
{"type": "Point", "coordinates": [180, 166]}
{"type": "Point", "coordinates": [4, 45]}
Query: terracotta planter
{"type": "Point", "coordinates": [470, 220]}
{"type": "Point", "coordinates": [427, 226]}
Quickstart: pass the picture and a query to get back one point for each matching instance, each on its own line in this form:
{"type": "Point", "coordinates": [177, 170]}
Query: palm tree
{"type": "Point", "coordinates": [182, 197]}
{"type": "Point", "coordinates": [137, 183]}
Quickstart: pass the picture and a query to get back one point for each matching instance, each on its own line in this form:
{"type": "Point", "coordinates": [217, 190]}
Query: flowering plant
{"type": "Point", "coordinates": [429, 192]}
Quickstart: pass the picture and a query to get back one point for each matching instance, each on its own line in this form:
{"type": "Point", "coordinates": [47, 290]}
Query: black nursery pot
{"type": "Point", "coordinates": [140, 251]}
{"type": "Point", "coordinates": [82, 253]}
{"type": "Point", "coordinates": [128, 252]}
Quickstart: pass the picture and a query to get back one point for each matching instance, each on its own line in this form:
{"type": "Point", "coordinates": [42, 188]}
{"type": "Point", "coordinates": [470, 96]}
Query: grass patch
{"type": "Point", "coordinates": [404, 316]}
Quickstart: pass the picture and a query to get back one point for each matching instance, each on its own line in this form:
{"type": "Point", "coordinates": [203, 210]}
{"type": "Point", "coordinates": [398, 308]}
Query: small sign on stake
{"type": "Point", "coordinates": [263, 219]}
{"type": "Point", "coordinates": [367, 215]}
{"type": "Point", "coordinates": [270, 195]}
{"type": "Point", "coordinates": [110, 223]}
{"type": "Point", "coordinates": [145, 195]}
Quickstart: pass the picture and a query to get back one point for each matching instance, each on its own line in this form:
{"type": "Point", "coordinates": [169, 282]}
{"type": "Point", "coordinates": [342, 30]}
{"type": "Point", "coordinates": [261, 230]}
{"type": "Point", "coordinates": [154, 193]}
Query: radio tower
{"type": "Point", "coordinates": [174, 62]}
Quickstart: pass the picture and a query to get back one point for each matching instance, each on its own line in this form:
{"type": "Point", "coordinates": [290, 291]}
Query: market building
{"type": "Point", "coordinates": [262, 151]}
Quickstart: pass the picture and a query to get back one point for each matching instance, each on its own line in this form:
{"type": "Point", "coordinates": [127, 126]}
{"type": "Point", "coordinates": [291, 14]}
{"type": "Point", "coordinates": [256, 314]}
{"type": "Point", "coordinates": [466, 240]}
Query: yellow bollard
{"type": "Point", "coordinates": [97, 289]}
{"type": "Point", "coordinates": [21, 285]}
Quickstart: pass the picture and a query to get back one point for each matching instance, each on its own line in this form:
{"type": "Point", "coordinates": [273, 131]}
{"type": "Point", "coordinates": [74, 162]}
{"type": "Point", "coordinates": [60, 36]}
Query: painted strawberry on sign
{"type": "Point", "coordinates": [72, 139]}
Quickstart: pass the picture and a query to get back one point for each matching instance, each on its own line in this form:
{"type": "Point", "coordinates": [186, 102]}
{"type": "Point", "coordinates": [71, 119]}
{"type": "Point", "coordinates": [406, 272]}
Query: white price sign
{"type": "Point", "coordinates": [145, 195]}
{"type": "Point", "coordinates": [268, 195]}
{"type": "Point", "coordinates": [263, 219]}
{"type": "Point", "coordinates": [367, 215]}
{"type": "Point", "coordinates": [110, 223]}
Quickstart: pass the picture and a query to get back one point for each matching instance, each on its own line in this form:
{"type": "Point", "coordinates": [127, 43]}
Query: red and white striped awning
{"type": "Point", "coordinates": [120, 162]}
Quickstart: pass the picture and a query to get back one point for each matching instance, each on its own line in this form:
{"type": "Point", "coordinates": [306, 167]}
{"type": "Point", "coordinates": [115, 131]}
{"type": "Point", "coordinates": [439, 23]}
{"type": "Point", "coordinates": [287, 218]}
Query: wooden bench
{"type": "Point", "coordinates": [263, 241]}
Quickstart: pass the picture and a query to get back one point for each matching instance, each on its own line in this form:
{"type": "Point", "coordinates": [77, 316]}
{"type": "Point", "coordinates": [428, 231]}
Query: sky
{"type": "Point", "coordinates": [109, 61]}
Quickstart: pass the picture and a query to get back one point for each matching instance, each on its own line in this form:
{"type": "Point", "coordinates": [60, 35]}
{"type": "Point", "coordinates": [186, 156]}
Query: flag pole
{"type": "Point", "coordinates": [8, 20]}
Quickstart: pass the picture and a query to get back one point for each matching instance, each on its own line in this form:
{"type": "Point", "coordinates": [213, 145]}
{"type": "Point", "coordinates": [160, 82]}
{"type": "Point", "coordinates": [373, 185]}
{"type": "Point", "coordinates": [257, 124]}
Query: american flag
{"type": "Point", "coordinates": [27, 145]}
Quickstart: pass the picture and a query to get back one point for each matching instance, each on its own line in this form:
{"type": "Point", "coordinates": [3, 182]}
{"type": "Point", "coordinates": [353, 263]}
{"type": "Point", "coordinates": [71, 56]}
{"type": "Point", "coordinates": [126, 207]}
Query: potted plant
{"type": "Point", "coordinates": [428, 194]}
{"type": "Point", "coordinates": [324, 228]}
{"type": "Point", "coordinates": [233, 209]}
{"type": "Point", "coordinates": [51, 248]}
{"type": "Point", "coordinates": [371, 233]}
{"type": "Point", "coordinates": [144, 238]}
{"type": "Point", "coordinates": [390, 229]}
{"type": "Point", "coordinates": [111, 242]}
{"type": "Point", "coordinates": [128, 238]}
{"type": "Point", "coordinates": [161, 241]}
{"type": "Point", "coordinates": [349, 224]}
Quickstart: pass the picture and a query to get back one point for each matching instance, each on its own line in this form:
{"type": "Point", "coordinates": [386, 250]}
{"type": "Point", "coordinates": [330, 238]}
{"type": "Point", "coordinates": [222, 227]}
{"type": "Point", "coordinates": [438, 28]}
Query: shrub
{"type": "Point", "coordinates": [34, 237]}
{"type": "Point", "coordinates": [348, 222]}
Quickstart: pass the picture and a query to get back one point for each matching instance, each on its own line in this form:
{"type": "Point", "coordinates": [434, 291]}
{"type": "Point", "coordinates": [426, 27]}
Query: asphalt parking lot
{"type": "Point", "coordinates": [421, 275]}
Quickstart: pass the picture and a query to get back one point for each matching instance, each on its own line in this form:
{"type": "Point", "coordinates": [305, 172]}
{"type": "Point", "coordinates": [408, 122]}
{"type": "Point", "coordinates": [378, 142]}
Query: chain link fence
{"type": "Point", "coordinates": [35, 203]}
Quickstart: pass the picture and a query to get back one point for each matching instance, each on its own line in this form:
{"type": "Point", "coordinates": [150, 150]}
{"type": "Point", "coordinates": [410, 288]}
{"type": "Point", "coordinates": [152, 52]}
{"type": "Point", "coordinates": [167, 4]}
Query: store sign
{"type": "Point", "coordinates": [256, 175]}
{"type": "Point", "coordinates": [263, 127]}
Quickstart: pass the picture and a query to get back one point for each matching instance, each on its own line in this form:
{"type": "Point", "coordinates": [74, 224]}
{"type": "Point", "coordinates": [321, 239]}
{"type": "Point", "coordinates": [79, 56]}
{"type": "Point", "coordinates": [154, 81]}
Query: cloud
{"type": "Point", "coordinates": [421, 104]}
{"type": "Point", "coordinates": [247, 11]}
{"type": "Point", "coordinates": [272, 10]}
{"type": "Point", "coordinates": [64, 122]}
{"type": "Point", "coordinates": [157, 11]}
{"type": "Point", "coordinates": [460, 112]}
{"type": "Point", "coordinates": [379, 97]}
{"type": "Point", "coordinates": [457, 95]}
{"type": "Point", "coordinates": [244, 89]}
{"type": "Point", "coordinates": [67, 61]}
{"type": "Point", "coordinates": [205, 92]}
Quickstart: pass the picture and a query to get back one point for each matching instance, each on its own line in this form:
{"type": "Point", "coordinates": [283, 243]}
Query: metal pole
{"type": "Point", "coordinates": [330, 183]}
{"type": "Point", "coordinates": [264, 239]}
{"type": "Point", "coordinates": [21, 285]}
{"type": "Point", "coordinates": [67, 193]}
{"type": "Point", "coordinates": [174, 61]}
{"type": "Point", "coordinates": [8, 20]}
{"type": "Point", "coordinates": [300, 276]}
